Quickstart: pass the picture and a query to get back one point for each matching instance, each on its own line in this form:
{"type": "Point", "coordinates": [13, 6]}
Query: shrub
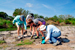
{"type": "Point", "coordinates": [67, 22]}
{"type": "Point", "coordinates": [2, 41]}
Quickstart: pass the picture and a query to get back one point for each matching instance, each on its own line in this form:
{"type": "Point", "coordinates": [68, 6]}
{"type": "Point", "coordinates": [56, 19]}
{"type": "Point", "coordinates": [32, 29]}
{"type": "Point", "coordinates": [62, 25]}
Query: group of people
{"type": "Point", "coordinates": [38, 25]}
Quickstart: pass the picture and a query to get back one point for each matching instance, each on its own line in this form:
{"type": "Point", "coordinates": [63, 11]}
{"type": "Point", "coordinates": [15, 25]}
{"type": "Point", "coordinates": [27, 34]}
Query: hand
{"type": "Point", "coordinates": [43, 42]}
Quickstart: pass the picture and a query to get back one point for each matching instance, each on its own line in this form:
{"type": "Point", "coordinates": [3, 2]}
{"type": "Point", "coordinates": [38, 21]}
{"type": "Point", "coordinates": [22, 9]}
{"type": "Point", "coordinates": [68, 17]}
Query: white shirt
{"type": "Point", "coordinates": [50, 29]}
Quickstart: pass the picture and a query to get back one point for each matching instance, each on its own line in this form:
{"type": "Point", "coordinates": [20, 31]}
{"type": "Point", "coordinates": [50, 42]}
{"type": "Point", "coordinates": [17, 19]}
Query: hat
{"type": "Point", "coordinates": [30, 15]}
{"type": "Point", "coordinates": [22, 17]}
{"type": "Point", "coordinates": [42, 27]}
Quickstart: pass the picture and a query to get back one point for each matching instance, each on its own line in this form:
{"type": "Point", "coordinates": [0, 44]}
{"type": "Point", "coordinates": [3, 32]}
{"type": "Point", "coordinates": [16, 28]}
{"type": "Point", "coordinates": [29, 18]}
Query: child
{"type": "Point", "coordinates": [20, 21]}
{"type": "Point", "coordinates": [36, 23]}
{"type": "Point", "coordinates": [30, 16]}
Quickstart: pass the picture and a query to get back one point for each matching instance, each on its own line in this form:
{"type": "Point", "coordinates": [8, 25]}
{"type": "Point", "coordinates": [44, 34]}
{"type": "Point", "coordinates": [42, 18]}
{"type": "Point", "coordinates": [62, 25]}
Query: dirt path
{"type": "Point", "coordinates": [67, 37]}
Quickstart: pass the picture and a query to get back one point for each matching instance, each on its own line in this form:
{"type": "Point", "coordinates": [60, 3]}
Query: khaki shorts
{"type": "Point", "coordinates": [21, 25]}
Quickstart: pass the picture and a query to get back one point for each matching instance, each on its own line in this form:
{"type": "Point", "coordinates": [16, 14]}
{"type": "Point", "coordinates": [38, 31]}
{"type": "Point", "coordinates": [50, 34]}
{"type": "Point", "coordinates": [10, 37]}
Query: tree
{"type": "Point", "coordinates": [41, 16]}
{"type": "Point", "coordinates": [55, 18]}
{"type": "Point", "coordinates": [3, 15]}
{"type": "Point", "coordinates": [20, 11]}
{"type": "Point", "coordinates": [46, 18]}
{"type": "Point", "coordinates": [36, 16]}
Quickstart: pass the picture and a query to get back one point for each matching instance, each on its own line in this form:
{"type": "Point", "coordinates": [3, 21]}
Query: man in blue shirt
{"type": "Point", "coordinates": [20, 22]}
{"type": "Point", "coordinates": [52, 34]}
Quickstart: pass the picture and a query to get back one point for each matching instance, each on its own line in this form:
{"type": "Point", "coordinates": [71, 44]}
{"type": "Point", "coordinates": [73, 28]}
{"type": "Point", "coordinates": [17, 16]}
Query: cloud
{"type": "Point", "coordinates": [49, 7]}
{"type": "Point", "coordinates": [46, 6]}
{"type": "Point", "coordinates": [28, 5]}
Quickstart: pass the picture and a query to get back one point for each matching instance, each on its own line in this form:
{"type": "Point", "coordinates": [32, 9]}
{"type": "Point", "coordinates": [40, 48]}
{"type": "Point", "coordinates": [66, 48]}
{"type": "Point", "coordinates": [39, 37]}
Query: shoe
{"type": "Point", "coordinates": [43, 38]}
{"type": "Point", "coordinates": [36, 37]}
{"type": "Point", "coordinates": [25, 33]}
{"type": "Point", "coordinates": [32, 37]}
{"type": "Point", "coordinates": [22, 36]}
{"type": "Point", "coordinates": [19, 37]}
{"type": "Point", "coordinates": [55, 44]}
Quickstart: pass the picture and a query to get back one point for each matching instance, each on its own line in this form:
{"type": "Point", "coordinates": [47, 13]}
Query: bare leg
{"type": "Point", "coordinates": [21, 30]}
{"type": "Point", "coordinates": [30, 28]}
{"type": "Point", "coordinates": [18, 30]}
{"type": "Point", "coordinates": [37, 32]}
{"type": "Point", "coordinates": [42, 34]}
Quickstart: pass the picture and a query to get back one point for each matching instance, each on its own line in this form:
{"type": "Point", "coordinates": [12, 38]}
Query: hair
{"type": "Point", "coordinates": [30, 21]}
{"type": "Point", "coordinates": [32, 14]}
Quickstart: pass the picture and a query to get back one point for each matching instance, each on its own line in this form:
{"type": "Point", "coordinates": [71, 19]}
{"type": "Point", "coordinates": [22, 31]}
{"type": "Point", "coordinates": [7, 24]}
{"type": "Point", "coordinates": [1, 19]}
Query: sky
{"type": "Point", "coordinates": [46, 8]}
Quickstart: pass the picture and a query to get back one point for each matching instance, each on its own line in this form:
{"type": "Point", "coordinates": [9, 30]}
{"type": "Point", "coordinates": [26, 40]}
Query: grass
{"type": "Point", "coordinates": [25, 42]}
{"type": "Point", "coordinates": [1, 47]}
{"type": "Point", "coordinates": [2, 41]}
{"type": "Point", "coordinates": [8, 29]}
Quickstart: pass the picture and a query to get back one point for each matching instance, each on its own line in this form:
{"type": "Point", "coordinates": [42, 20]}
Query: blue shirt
{"type": "Point", "coordinates": [18, 21]}
{"type": "Point", "coordinates": [50, 29]}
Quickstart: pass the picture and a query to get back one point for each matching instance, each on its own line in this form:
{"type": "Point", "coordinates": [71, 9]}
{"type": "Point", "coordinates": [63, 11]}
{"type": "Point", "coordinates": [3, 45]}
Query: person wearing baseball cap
{"type": "Point", "coordinates": [52, 34]}
{"type": "Point", "coordinates": [20, 22]}
{"type": "Point", "coordinates": [30, 16]}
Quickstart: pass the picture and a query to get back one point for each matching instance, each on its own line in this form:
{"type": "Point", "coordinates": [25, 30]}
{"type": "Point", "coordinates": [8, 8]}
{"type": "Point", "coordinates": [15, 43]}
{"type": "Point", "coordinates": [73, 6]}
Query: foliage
{"type": "Point", "coordinates": [3, 14]}
{"type": "Point", "coordinates": [41, 16]}
{"type": "Point", "coordinates": [25, 42]}
{"type": "Point", "coordinates": [46, 18]}
{"type": "Point", "coordinates": [2, 41]}
{"type": "Point", "coordinates": [20, 12]}
{"type": "Point", "coordinates": [67, 22]}
{"type": "Point", "coordinates": [36, 16]}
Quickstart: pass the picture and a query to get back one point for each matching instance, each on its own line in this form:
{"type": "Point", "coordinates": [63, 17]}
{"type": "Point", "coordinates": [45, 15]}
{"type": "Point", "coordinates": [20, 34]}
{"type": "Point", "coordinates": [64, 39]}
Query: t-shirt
{"type": "Point", "coordinates": [18, 21]}
{"type": "Point", "coordinates": [28, 17]}
{"type": "Point", "coordinates": [37, 20]}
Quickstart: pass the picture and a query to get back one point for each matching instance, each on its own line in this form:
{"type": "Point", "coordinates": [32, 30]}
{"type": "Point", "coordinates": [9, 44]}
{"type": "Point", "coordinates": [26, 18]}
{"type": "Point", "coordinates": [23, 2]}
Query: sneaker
{"type": "Point", "coordinates": [22, 36]}
{"type": "Point", "coordinates": [55, 44]}
{"type": "Point", "coordinates": [31, 37]}
{"type": "Point", "coordinates": [36, 37]}
{"type": "Point", "coordinates": [19, 37]}
{"type": "Point", "coordinates": [25, 33]}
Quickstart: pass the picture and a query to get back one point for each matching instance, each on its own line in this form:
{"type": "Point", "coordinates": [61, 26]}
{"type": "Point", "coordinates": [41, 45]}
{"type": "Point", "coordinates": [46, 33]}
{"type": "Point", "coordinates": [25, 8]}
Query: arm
{"type": "Point", "coordinates": [47, 38]}
{"type": "Point", "coordinates": [16, 19]}
{"type": "Point", "coordinates": [33, 31]}
{"type": "Point", "coordinates": [25, 25]}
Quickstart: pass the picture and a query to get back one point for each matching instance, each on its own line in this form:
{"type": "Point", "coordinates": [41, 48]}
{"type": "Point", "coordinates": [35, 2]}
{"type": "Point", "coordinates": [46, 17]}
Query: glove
{"type": "Point", "coordinates": [43, 42]}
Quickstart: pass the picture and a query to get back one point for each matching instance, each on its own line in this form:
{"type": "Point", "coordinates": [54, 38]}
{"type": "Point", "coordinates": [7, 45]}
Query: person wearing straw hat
{"type": "Point", "coordinates": [20, 22]}
{"type": "Point", "coordinates": [52, 34]}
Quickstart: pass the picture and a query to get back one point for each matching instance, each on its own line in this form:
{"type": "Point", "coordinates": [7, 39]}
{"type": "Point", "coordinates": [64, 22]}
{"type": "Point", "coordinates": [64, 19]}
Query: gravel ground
{"type": "Point", "coordinates": [67, 38]}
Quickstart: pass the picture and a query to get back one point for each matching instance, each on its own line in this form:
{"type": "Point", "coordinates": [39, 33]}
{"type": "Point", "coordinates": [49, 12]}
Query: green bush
{"type": "Point", "coordinates": [67, 22]}
{"type": "Point", "coordinates": [2, 41]}
{"type": "Point", "coordinates": [72, 22]}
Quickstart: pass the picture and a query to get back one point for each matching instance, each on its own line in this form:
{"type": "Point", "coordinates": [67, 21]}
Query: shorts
{"type": "Point", "coordinates": [21, 25]}
{"type": "Point", "coordinates": [44, 23]}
